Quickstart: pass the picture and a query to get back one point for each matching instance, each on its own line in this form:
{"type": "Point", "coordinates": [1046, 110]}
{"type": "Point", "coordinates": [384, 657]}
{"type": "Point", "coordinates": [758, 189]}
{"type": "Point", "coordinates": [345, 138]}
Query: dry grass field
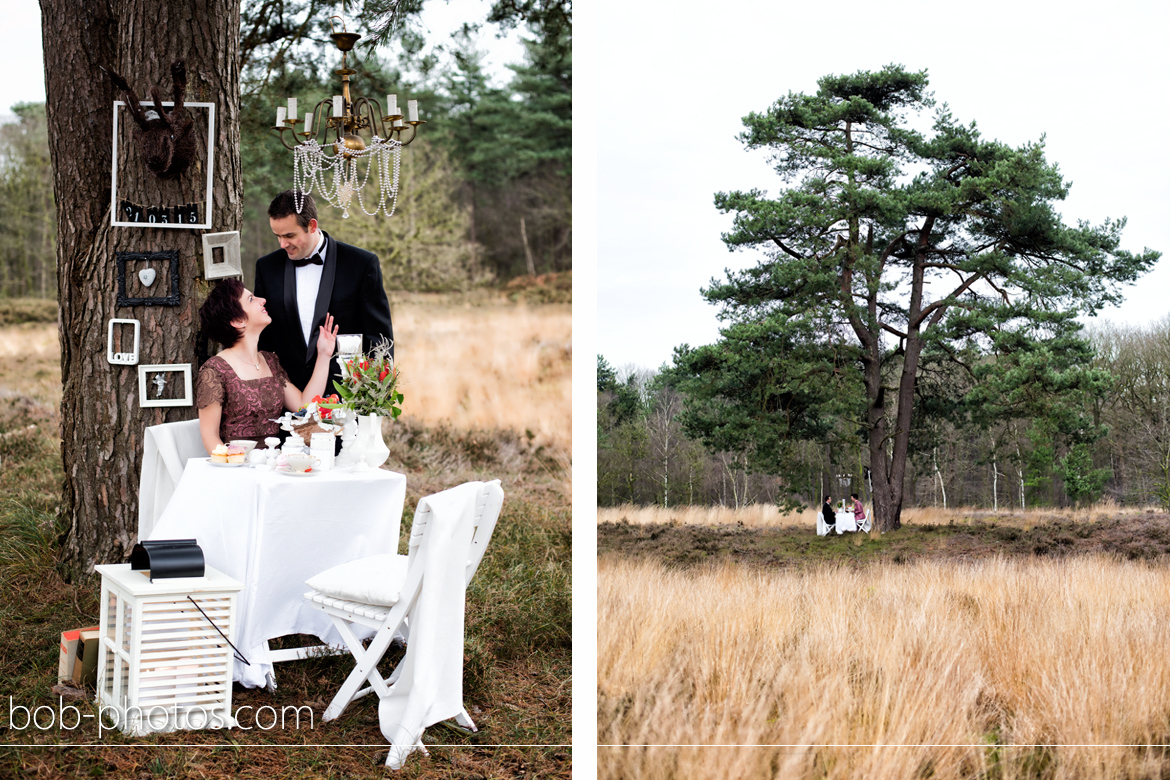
{"type": "Point", "coordinates": [998, 668]}
{"type": "Point", "coordinates": [492, 365]}
{"type": "Point", "coordinates": [488, 365]}
{"type": "Point", "coordinates": [769, 516]}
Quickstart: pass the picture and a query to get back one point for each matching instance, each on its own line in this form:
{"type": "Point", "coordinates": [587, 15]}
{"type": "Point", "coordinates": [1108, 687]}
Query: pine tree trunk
{"type": "Point", "coordinates": [102, 422]}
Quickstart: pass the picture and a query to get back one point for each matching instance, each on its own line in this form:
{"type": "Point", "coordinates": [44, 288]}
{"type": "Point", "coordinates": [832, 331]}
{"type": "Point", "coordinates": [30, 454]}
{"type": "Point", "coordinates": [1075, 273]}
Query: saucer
{"type": "Point", "coordinates": [225, 465]}
{"type": "Point", "coordinates": [299, 473]}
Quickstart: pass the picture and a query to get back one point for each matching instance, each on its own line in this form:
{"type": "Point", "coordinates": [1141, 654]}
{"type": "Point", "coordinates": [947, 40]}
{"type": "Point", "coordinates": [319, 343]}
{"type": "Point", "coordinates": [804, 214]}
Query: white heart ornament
{"type": "Point", "coordinates": [146, 275]}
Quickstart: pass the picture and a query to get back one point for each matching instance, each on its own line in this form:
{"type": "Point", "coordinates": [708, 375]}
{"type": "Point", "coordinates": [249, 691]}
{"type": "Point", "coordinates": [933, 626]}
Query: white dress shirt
{"type": "Point", "coordinates": [308, 283]}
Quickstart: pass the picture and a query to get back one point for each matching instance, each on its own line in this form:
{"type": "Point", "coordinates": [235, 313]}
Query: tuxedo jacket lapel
{"type": "Point", "coordinates": [324, 295]}
{"type": "Point", "coordinates": [290, 303]}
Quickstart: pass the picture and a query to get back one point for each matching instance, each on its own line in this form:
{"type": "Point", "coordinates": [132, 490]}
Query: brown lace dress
{"type": "Point", "coordinates": [248, 406]}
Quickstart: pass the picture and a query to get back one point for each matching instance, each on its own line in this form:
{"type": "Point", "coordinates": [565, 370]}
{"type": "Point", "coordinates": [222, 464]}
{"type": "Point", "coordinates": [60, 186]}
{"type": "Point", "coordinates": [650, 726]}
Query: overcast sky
{"type": "Point", "coordinates": [20, 45]}
{"type": "Point", "coordinates": [674, 87]}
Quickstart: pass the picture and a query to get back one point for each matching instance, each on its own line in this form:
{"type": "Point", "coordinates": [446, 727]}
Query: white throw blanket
{"type": "Point", "coordinates": [430, 687]}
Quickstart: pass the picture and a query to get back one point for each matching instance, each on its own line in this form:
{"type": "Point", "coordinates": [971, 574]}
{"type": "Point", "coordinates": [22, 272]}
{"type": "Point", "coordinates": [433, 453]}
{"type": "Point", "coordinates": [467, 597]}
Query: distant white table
{"type": "Point", "coordinates": [272, 532]}
{"type": "Point", "coordinates": [846, 523]}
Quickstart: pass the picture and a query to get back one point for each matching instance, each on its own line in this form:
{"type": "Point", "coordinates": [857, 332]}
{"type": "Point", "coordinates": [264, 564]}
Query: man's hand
{"type": "Point", "coordinates": [327, 338]}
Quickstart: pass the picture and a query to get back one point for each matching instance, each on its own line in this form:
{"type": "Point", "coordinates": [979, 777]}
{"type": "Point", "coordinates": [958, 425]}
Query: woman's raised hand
{"type": "Point", "coordinates": [327, 338]}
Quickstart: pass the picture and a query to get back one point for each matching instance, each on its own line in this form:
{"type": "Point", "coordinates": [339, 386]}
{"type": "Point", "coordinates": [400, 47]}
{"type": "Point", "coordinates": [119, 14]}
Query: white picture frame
{"type": "Point", "coordinates": [182, 369]}
{"type": "Point", "coordinates": [207, 202]}
{"type": "Point", "coordinates": [122, 358]}
{"type": "Point", "coordinates": [231, 265]}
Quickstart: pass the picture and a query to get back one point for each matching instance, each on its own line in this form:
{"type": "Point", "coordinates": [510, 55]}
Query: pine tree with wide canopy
{"type": "Point", "coordinates": [889, 243]}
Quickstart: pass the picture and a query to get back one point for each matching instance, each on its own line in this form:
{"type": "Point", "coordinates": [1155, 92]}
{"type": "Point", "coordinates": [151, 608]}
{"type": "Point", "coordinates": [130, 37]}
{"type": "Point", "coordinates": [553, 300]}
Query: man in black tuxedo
{"type": "Point", "coordinates": [312, 274]}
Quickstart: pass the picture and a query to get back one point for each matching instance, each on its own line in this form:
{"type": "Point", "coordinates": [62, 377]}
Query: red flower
{"type": "Point", "coordinates": [382, 375]}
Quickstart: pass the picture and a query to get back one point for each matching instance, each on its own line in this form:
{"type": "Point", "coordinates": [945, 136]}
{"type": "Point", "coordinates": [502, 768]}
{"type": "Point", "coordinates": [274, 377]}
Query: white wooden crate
{"type": "Point", "coordinates": [161, 664]}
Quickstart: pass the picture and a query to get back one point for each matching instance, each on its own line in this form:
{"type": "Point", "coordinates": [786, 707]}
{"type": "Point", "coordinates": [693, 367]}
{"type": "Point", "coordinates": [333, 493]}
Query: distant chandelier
{"type": "Point", "coordinates": [331, 142]}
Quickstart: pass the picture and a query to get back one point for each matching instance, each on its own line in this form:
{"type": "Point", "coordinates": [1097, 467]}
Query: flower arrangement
{"type": "Point", "coordinates": [370, 384]}
{"type": "Point", "coordinates": [322, 408]}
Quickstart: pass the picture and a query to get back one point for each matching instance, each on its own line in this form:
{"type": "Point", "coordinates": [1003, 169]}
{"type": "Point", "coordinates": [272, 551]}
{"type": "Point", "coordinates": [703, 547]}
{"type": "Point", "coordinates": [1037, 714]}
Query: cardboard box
{"type": "Point", "coordinates": [71, 644]}
{"type": "Point", "coordinates": [85, 668]}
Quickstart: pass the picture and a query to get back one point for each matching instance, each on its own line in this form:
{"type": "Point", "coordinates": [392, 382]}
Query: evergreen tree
{"type": "Point", "coordinates": [28, 216]}
{"type": "Point", "coordinates": [894, 240]}
{"type": "Point", "coordinates": [424, 245]}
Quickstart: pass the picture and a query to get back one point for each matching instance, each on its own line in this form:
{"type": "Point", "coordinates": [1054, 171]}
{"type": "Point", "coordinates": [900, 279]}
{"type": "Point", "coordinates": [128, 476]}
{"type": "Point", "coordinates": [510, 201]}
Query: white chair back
{"type": "Point", "coordinates": [487, 511]}
{"type": "Point", "coordinates": [418, 531]}
{"type": "Point", "coordinates": [165, 451]}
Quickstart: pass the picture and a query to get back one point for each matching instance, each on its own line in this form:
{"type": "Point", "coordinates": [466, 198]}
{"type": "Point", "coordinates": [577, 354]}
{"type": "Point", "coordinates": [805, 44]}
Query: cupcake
{"type": "Point", "coordinates": [236, 453]}
{"type": "Point", "coordinates": [220, 454]}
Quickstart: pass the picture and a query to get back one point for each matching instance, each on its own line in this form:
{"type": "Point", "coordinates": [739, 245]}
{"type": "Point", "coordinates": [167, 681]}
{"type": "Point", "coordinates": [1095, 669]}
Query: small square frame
{"type": "Point", "coordinates": [182, 368]}
{"type": "Point", "coordinates": [210, 141]}
{"type": "Point", "coordinates": [171, 256]}
{"type": "Point", "coordinates": [231, 265]}
{"type": "Point", "coordinates": [123, 358]}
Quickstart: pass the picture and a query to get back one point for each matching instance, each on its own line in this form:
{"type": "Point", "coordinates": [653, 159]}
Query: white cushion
{"type": "Point", "coordinates": [374, 580]}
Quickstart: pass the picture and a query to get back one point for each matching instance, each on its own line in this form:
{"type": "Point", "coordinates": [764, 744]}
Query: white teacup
{"type": "Point", "coordinates": [246, 444]}
{"type": "Point", "coordinates": [300, 462]}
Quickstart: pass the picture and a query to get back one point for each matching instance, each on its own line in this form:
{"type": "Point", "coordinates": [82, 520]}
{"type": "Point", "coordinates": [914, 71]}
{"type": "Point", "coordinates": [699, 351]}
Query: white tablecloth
{"type": "Point", "coordinates": [272, 532]}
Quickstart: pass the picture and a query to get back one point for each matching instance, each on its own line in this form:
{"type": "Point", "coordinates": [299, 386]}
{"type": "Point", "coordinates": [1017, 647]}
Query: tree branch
{"type": "Point", "coordinates": [776, 240]}
{"type": "Point", "coordinates": [893, 330]}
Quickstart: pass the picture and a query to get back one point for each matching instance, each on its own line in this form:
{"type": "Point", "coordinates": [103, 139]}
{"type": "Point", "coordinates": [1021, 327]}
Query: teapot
{"type": "Point", "coordinates": [294, 444]}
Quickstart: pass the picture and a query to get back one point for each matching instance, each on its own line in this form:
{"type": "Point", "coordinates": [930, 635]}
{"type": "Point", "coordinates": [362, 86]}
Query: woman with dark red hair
{"type": "Point", "coordinates": [241, 390]}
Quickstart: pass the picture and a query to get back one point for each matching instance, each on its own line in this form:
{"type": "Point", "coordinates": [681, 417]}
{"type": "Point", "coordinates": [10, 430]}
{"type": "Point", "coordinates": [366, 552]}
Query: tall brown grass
{"type": "Point", "coordinates": [769, 516]}
{"type": "Point", "coordinates": [488, 366]}
{"type": "Point", "coordinates": [833, 672]}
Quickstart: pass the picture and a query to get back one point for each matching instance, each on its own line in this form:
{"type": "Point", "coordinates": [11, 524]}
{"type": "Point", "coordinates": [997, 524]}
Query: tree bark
{"type": "Point", "coordinates": [102, 422]}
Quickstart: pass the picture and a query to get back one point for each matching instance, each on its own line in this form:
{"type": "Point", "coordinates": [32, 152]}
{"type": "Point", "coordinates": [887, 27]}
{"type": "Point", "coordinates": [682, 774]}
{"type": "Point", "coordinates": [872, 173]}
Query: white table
{"type": "Point", "coordinates": [273, 531]}
{"type": "Point", "coordinates": [846, 522]}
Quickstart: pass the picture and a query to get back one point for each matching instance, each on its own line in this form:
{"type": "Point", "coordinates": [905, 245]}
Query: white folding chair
{"type": "Point", "coordinates": [166, 449]}
{"type": "Point", "coordinates": [866, 525]}
{"type": "Point", "coordinates": [389, 586]}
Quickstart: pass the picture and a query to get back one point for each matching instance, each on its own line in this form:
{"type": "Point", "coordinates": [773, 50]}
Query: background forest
{"type": "Point", "coordinates": [1110, 442]}
{"type": "Point", "coordinates": [486, 186]}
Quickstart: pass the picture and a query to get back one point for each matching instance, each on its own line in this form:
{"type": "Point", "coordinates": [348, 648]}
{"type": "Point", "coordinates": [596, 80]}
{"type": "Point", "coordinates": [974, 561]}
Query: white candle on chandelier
{"type": "Point", "coordinates": [338, 109]}
{"type": "Point", "coordinates": [412, 108]}
{"type": "Point", "coordinates": [280, 117]}
{"type": "Point", "coordinates": [391, 105]}
{"type": "Point", "coordinates": [308, 121]}
{"type": "Point", "coordinates": [292, 108]}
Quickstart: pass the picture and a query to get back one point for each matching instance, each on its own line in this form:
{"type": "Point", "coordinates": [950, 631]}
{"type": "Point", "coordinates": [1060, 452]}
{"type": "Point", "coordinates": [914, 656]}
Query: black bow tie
{"type": "Point", "coordinates": [315, 260]}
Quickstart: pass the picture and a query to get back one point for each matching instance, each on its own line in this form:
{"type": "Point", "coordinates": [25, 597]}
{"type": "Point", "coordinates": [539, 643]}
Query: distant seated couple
{"type": "Point", "coordinates": [278, 339]}
{"type": "Point", "coordinates": [829, 517]}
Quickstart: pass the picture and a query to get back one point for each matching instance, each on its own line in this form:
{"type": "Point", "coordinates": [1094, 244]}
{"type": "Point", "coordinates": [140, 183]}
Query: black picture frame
{"type": "Point", "coordinates": [169, 255]}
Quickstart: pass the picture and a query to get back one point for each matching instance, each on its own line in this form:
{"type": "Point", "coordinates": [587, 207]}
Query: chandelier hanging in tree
{"type": "Point", "coordinates": [328, 157]}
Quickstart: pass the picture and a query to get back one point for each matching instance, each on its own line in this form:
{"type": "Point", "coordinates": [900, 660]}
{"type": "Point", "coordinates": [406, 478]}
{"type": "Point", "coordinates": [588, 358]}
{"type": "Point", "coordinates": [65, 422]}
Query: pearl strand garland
{"type": "Point", "coordinates": [310, 163]}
